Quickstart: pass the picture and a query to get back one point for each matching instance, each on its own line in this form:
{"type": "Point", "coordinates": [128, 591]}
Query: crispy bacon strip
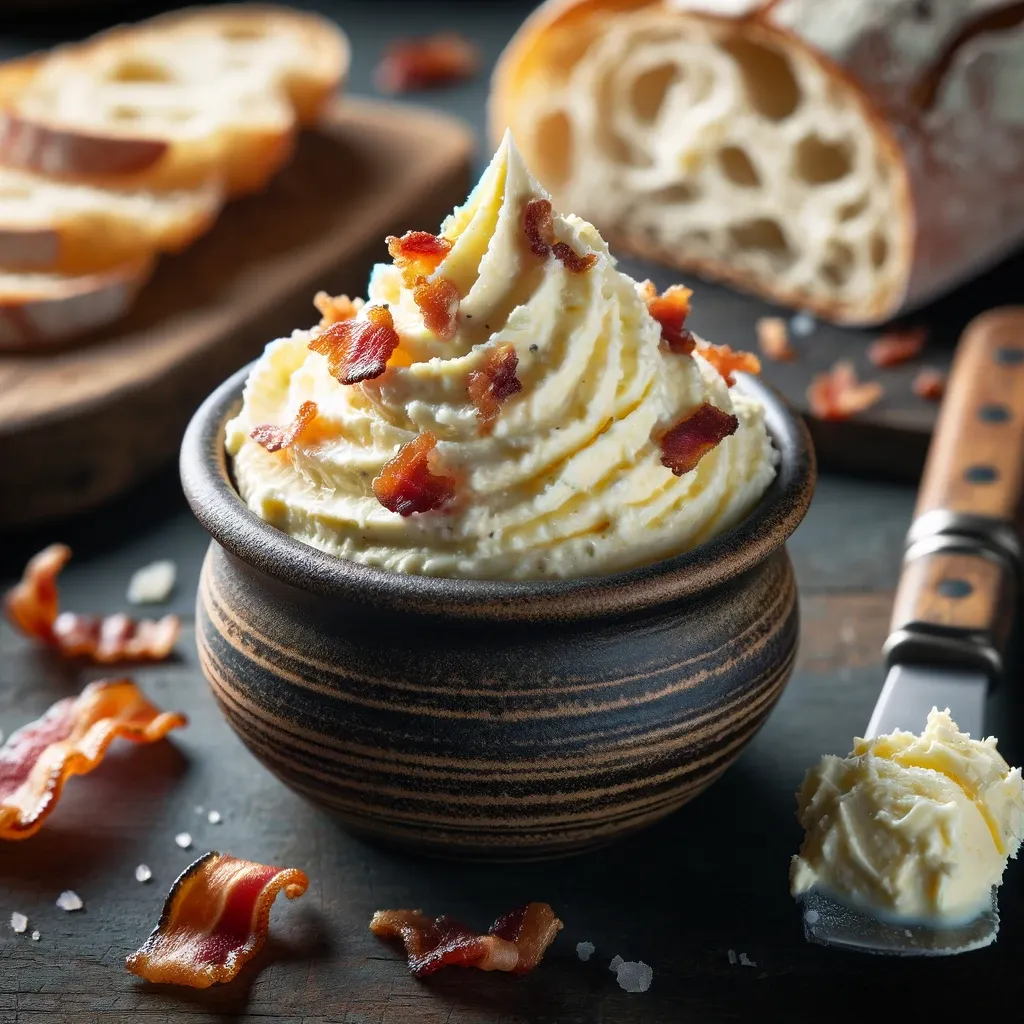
{"type": "Point", "coordinates": [33, 605]}
{"type": "Point", "coordinates": [358, 350]}
{"type": "Point", "coordinates": [418, 254]}
{"type": "Point", "coordinates": [215, 919]}
{"type": "Point", "coordinates": [516, 942]}
{"type": "Point", "coordinates": [275, 438]}
{"type": "Point", "coordinates": [538, 225]}
{"type": "Point", "coordinates": [773, 340]}
{"type": "Point", "coordinates": [727, 362]}
{"type": "Point", "coordinates": [71, 739]}
{"type": "Point", "coordinates": [493, 384]}
{"type": "Point", "coordinates": [407, 484]}
{"type": "Point", "coordinates": [334, 308]}
{"type": "Point", "coordinates": [896, 347]}
{"type": "Point", "coordinates": [426, 63]}
{"type": "Point", "coordinates": [685, 444]}
{"type": "Point", "coordinates": [838, 395]}
{"type": "Point", "coordinates": [671, 309]}
{"type": "Point", "coordinates": [438, 300]}
{"type": "Point", "coordinates": [929, 384]}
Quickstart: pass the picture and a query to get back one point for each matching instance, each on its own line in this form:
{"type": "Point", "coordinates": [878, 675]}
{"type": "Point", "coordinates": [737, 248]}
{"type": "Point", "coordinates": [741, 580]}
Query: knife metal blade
{"type": "Point", "coordinates": [911, 691]}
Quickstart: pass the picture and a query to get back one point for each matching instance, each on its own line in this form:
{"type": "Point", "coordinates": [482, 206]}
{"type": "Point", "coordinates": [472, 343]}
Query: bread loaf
{"type": "Point", "coordinates": [851, 157]}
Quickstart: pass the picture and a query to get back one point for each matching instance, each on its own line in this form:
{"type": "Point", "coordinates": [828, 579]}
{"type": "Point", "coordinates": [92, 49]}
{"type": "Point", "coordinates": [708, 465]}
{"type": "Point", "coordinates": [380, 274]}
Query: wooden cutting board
{"type": "Point", "coordinates": [80, 425]}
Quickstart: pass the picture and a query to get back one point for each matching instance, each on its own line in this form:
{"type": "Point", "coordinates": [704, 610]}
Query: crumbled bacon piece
{"type": "Point", "coordinates": [685, 444]}
{"type": "Point", "coordinates": [438, 300]}
{"type": "Point", "coordinates": [418, 254]}
{"type": "Point", "coordinates": [335, 308]}
{"type": "Point", "coordinates": [671, 309]}
{"type": "Point", "coordinates": [358, 350]}
{"type": "Point", "coordinates": [929, 384]}
{"type": "Point", "coordinates": [215, 919]}
{"type": "Point", "coordinates": [896, 347]}
{"type": "Point", "coordinates": [494, 383]}
{"type": "Point", "coordinates": [407, 484]}
{"type": "Point", "coordinates": [33, 605]}
{"type": "Point", "coordinates": [727, 362]}
{"type": "Point", "coordinates": [838, 395]}
{"type": "Point", "coordinates": [515, 942]}
{"type": "Point", "coordinates": [71, 739]}
{"type": "Point", "coordinates": [571, 259]}
{"type": "Point", "coordinates": [773, 339]}
{"type": "Point", "coordinates": [538, 225]}
{"type": "Point", "coordinates": [275, 438]}
{"type": "Point", "coordinates": [426, 63]}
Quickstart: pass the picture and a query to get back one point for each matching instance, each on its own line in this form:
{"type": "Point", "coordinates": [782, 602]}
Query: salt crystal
{"type": "Point", "coordinates": [184, 840]}
{"type": "Point", "coordinates": [732, 956]}
{"type": "Point", "coordinates": [213, 817]}
{"type": "Point", "coordinates": [69, 901]}
{"type": "Point", "coordinates": [616, 963]}
{"type": "Point", "coordinates": [19, 922]}
{"type": "Point", "coordinates": [909, 934]}
{"type": "Point", "coordinates": [634, 976]}
{"type": "Point", "coordinates": [35, 936]}
{"type": "Point", "coordinates": [153, 583]}
{"type": "Point", "coordinates": [811, 917]}
{"type": "Point", "coordinates": [745, 961]}
{"type": "Point", "coordinates": [142, 873]}
{"type": "Point", "coordinates": [802, 324]}
{"type": "Point", "coordinates": [585, 950]}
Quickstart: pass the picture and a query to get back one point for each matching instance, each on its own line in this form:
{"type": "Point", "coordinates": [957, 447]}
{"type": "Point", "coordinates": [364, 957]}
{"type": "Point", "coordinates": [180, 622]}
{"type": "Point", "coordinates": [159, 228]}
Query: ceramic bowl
{"type": "Point", "coordinates": [496, 719]}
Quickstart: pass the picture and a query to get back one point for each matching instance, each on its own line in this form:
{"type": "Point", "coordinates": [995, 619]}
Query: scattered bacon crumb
{"type": "Point", "coordinates": [407, 484]}
{"type": "Point", "coordinates": [516, 942]}
{"type": "Point", "coordinates": [494, 383]}
{"type": "Point", "coordinates": [671, 309]}
{"type": "Point", "coordinates": [727, 362]}
{"type": "Point", "coordinates": [896, 347]}
{"type": "Point", "coordinates": [215, 919]}
{"type": "Point", "coordinates": [773, 340]}
{"type": "Point", "coordinates": [685, 444]}
{"type": "Point", "coordinates": [538, 225]}
{"type": "Point", "coordinates": [275, 438]}
{"type": "Point", "coordinates": [335, 308]}
{"type": "Point", "coordinates": [438, 300]}
{"type": "Point", "coordinates": [426, 63]}
{"type": "Point", "coordinates": [33, 605]}
{"type": "Point", "coordinates": [838, 395]}
{"type": "Point", "coordinates": [71, 739]}
{"type": "Point", "coordinates": [358, 350]}
{"type": "Point", "coordinates": [418, 253]}
{"type": "Point", "coordinates": [930, 384]}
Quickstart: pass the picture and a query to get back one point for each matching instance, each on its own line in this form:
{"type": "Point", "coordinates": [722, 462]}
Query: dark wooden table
{"type": "Point", "coordinates": [680, 896]}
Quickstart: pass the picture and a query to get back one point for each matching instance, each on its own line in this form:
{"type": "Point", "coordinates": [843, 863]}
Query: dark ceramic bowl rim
{"type": "Point", "coordinates": [218, 507]}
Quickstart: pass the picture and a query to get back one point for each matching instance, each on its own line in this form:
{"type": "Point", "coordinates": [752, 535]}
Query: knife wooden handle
{"type": "Point", "coordinates": [973, 480]}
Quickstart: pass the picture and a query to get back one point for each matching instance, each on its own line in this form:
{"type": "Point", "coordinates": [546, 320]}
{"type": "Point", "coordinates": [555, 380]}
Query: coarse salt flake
{"type": "Point", "coordinates": [142, 873]}
{"type": "Point", "coordinates": [153, 583]}
{"type": "Point", "coordinates": [745, 961]}
{"type": "Point", "coordinates": [732, 956]}
{"type": "Point", "coordinates": [19, 922]}
{"type": "Point", "coordinates": [634, 976]}
{"type": "Point", "coordinates": [616, 963]}
{"type": "Point", "coordinates": [812, 916]}
{"type": "Point", "coordinates": [35, 936]}
{"type": "Point", "coordinates": [213, 817]}
{"type": "Point", "coordinates": [585, 950]}
{"type": "Point", "coordinates": [69, 901]}
{"type": "Point", "coordinates": [184, 840]}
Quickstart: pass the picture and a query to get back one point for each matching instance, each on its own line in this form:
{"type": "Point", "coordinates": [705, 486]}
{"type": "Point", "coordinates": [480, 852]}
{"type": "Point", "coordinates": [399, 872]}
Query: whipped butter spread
{"type": "Point", "coordinates": [568, 481]}
{"type": "Point", "coordinates": [907, 827]}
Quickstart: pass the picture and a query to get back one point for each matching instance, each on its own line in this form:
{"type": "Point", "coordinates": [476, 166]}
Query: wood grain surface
{"type": "Point", "coordinates": [120, 401]}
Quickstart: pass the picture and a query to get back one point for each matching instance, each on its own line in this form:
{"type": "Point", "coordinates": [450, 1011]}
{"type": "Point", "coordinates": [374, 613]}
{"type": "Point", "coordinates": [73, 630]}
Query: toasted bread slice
{"type": "Point", "coordinates": [56, 227]}
{"type": "Point", "coordinates": [39, 311]}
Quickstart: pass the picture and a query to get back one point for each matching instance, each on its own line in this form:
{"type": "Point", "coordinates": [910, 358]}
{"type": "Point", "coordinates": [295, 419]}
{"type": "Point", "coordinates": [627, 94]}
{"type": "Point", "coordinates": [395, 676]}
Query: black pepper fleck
{"type": "Point", "coordinates": [534, 348]}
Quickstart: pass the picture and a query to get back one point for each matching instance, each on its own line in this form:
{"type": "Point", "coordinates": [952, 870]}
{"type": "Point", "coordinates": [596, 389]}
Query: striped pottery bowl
{"type": "Point", "coordinates": [498, 719]}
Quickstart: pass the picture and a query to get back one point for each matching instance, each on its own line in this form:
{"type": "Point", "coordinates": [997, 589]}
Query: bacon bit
{"type": "Point", "coordinates": [33, 604]}
{"type": "Point", "coordinates": [538, 225]}
{"type": "Point", "coordinates": [727, 362]}
{"type": "Point", "coordinates": [685, 444]}
{"type": "Point", "coordinates": [426, 63]}
{"type": "Point", "coordinates": [71, 739]}
{"type": "Point", "coordinates": [930, 384]}
{"type": "Point", "coordinates": [572, 260]}
{"type": "Point", "coordinates": [516, 942]}
{"type": "Point", "coordinates": [418, 254]}
{"type": "Point", "coordinates": [215, 919]}
{"type": "Point", "coordinates": [896, 347]}
{"type": "Point", "coordinates": [358, 350]}
{"type": "Point", "coordinates": [335, 308]}
{"type": "Point", "coordinates": [494, 383]}
{"type": "Point", "coordinates": [438, 300]}
{"type": "Point", "coordinates": [275, 438]}
{"type": "Point", "coordinates": [671, 309]}
{"type": "Point", "coordinates": [773, 340]}
{"type": "Point", "coordinates": [838, 395]}
{"type": "Point", "coordinates": [407, 485]}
